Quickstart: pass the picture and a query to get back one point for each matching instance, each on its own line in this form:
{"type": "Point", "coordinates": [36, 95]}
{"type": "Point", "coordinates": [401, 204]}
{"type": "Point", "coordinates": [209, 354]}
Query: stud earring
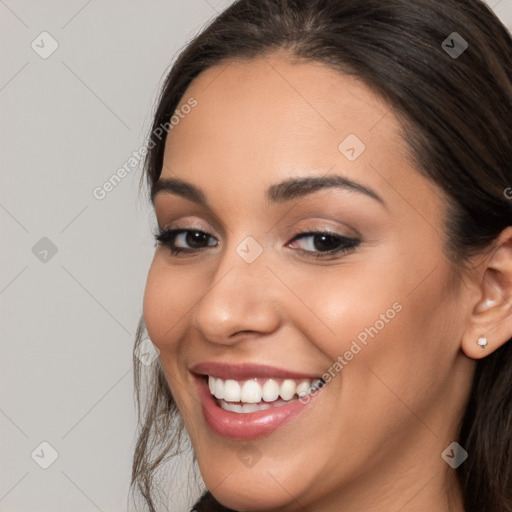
{"type": "Point", "coordinates": [482, 341]}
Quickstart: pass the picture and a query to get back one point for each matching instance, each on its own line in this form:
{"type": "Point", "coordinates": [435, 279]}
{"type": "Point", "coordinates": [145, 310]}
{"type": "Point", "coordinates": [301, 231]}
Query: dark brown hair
{"type": "Point", "coordinates": [456, 114]}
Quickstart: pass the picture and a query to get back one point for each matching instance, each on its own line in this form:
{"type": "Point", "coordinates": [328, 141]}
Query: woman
{"type": "Point", "coordinates": [331, 293]}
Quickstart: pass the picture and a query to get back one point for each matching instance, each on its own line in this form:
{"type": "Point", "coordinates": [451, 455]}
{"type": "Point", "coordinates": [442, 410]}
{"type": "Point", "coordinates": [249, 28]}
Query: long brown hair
{"type": "Point", "coordinates": [456, 111]}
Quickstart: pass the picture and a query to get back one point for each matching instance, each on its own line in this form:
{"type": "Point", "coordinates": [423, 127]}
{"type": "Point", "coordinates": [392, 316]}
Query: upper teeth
{"type": "Point", "coordinates": [253, 391]}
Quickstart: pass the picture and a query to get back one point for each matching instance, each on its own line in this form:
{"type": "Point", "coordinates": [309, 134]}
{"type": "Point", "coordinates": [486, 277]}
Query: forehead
{"type": "Point", "coordinates": [273, 98]}
{"type": "Point", "coordinates": [263, 120]}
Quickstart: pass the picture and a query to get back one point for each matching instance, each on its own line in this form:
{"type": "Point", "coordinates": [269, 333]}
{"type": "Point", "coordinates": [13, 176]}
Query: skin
{"type": "Point", "coordinates": [372, 439]}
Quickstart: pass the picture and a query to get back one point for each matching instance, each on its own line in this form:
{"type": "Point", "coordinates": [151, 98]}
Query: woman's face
{"type": "Point", "coordinates": [261, 296]}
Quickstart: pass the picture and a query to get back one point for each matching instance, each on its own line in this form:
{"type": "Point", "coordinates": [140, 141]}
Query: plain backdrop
{"type": "Point", "coordinates": [78, 81]}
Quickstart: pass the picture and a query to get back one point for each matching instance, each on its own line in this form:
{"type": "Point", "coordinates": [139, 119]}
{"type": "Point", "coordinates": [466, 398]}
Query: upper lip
{"type": "Point", "coordinates": [246, 371]}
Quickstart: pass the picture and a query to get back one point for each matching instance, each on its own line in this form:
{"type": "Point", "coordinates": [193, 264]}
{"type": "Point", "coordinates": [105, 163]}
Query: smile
{"type": "Point", "coordinates": [256, 394]}
{"type": "Point", "coordinates": [238, 404]}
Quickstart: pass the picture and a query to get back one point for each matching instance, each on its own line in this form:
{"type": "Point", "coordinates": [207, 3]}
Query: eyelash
{"type": "Point", "coordinates": [166, 237]}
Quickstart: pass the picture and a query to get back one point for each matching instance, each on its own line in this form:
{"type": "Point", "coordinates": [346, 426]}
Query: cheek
{"type": "Point", "coordinates": [376, 322]}
{"type": "Point", "coordinates": [348, 303]}
{"type": "Point", "coordinates": [168, 296]}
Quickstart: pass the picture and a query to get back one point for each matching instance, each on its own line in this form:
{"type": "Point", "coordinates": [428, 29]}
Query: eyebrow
{"type": "Point", "coordinates": [281, 192]}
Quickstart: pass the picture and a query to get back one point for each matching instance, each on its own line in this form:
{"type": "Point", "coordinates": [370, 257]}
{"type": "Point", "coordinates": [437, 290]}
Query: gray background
{"type": "Point", "coordinates": [68, 319]}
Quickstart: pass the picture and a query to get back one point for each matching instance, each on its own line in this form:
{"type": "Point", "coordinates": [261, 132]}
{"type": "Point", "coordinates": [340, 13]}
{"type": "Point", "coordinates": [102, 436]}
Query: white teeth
{"type": "Point", "coordinates": [232, 391]}
{"type": "Point", "coordinates": [245, 408]}
{"type": "Point", "coordinates": [303, 388]}
{"type": "Point", "coordinates": [270, 390]}
{"type": "Point", "coordinates": [287, 389]}
{"type": "Point", "coordinates": [252, 392]}
{"type": "Point", "coordinates": [219, 388]}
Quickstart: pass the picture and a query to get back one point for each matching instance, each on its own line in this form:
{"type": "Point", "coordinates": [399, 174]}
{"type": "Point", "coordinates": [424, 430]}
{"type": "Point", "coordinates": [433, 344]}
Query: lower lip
{"type": "Point", "coordinates": [246, 425]}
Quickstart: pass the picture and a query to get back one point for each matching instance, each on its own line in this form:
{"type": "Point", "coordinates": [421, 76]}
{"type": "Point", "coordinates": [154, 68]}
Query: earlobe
{"type": "Point", "coordinates": [482, 342]}
{"type": "Point", "coordinates": [479, 347]}
{"type": "Point", "coordinates": [490, 325]}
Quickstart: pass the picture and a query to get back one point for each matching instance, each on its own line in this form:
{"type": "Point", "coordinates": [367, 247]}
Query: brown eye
{"type": "Point", "coordinates": [324, 243]}
{"type": "Point", "coordinates": [184, 240]}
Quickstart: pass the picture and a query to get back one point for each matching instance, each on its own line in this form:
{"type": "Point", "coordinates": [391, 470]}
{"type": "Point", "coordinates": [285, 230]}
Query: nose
{"type": "Point", "coordinates": [242, 298]}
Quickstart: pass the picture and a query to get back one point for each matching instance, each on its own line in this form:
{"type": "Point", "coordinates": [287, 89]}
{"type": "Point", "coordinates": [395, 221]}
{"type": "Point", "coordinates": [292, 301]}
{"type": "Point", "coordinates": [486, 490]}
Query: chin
{"type": "Point", "coordinates": [259, 488]}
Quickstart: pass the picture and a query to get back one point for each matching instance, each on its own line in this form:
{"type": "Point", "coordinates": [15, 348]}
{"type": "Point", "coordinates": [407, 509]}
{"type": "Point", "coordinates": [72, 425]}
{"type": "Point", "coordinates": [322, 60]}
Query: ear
{"type": "Point", "coordinates": [491, 317]}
